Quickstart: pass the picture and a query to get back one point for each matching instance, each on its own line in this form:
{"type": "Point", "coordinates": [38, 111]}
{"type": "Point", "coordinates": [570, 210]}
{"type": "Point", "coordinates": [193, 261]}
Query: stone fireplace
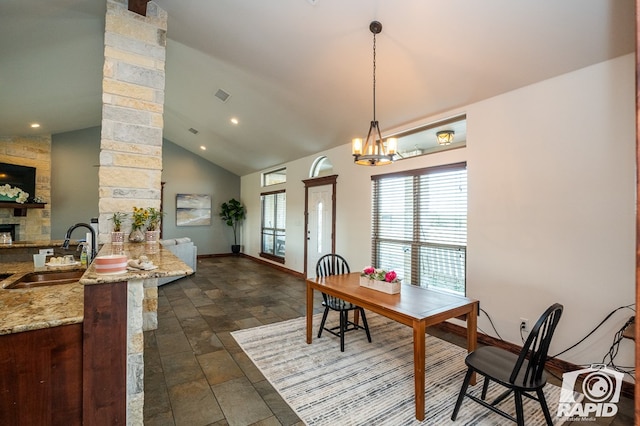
{"type": "Point", "coordinates": [32, 151]}
{"type": "Point", "coordinates": [10, 228]}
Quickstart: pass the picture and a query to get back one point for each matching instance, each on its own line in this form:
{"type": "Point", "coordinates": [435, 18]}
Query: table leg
{"type": "Point", "coordinates": [309, 312]}
{"type": "Point", "coordinates": [418, 366]}
{"type": "Point", "coordinates": [472, 334]}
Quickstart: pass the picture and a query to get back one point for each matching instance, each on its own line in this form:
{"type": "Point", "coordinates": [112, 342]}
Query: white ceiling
{"type": "Point", "coordinates": [300, 71]}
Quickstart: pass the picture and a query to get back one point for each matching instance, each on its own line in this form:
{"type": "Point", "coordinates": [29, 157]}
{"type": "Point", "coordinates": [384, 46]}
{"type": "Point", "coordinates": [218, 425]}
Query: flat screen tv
{"type": "Point", "coordinates": [22, 177]}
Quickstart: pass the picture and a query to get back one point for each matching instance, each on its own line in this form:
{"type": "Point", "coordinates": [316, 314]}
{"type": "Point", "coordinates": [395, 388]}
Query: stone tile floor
{"type": "Point", "coordinates": [196, 374]}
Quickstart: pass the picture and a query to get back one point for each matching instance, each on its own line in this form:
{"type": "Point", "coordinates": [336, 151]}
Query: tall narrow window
{"type": "Point", "coordinates": [420, 226]}
{"type": "Point", "coordinates": [273, 225]}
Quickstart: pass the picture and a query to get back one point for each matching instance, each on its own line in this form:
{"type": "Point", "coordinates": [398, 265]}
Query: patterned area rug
{"type": "Point", "coordinates": [371, 383]}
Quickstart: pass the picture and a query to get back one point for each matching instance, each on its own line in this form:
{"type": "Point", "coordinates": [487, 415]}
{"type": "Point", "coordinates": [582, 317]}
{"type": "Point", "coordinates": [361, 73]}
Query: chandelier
{"type": "Point", "coordinates": [374, 151]}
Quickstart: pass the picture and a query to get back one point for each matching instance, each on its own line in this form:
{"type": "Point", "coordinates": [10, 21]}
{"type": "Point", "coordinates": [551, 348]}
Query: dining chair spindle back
{"type": "Point", "coordinates": [521, 374]}
{"type": "Point", "coordinates": [334, 264]}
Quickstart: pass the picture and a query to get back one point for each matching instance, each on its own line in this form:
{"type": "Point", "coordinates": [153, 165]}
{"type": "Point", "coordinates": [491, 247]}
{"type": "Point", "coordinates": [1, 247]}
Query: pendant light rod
{"type": "Point", "coordinates": [375, 27]}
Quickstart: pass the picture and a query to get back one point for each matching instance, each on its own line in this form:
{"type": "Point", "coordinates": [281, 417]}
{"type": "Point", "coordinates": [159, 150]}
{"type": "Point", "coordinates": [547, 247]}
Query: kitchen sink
{"type": "Point", "coordinates": [46, 278]}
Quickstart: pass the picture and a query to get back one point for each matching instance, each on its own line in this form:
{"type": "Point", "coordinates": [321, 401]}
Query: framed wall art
{"type": "Point", "coordinates": [193, 210]}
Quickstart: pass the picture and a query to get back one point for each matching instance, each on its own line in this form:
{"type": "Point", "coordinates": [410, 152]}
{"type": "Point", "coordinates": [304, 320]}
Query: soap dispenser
{"type": "Point", "coordinates": [84, 256]}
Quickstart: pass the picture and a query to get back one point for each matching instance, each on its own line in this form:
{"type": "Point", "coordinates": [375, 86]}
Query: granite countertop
{"type": "Point", "coordinates": [169, 265]}
{"type": "Point", "coordinates": [51, 306]}
{"type": "Point", "coordinates": [37, 307]}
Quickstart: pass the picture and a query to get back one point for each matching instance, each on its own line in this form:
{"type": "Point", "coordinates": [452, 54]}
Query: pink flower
{"type": "Point", "coordinates": [390, 276]}
{"type": "Point", "coordinates": [369, 270]}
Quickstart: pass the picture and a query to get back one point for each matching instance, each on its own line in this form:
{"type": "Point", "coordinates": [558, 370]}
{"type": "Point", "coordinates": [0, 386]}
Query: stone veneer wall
{"type": "Point", "coordinates": [131, 155]}
{"type": "Point", "coordinates": [133, 104]}
{"type": "Point", "coordinates": [32, 151]}
{"type": "Point", "coordinates": [150, 304]}
{"type": "Point", "coordinates": [135, 353]}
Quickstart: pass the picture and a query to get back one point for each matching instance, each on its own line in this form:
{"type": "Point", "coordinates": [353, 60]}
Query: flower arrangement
{"type": "Point", "coordinates": [149, 217]}
{"type": "Point", "coordinates": [139, 216]}
{"type": "Point", "coordinates": [380, 275]}
{"type": "Point", "coordinates": [117, 219]}
{"type": "Point", "coordinates": [154, 216]}
{"type": "Point", "coordinates": [12, 192]}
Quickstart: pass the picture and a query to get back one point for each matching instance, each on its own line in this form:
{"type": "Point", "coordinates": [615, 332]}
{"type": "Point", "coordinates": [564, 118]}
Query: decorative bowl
{"type": "Point", "coordinates": [111, 264]}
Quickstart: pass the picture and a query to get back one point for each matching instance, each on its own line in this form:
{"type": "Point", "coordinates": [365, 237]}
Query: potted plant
{"type": "Point", "coordinates": [117, 235]}
{"type": "Point", "coordinates": [232, 213]}
{"type": "Point", "coordinates": [154, 217]}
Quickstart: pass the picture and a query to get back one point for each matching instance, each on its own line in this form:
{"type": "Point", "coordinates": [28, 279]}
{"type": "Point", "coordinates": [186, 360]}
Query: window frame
{"type": "Point", "coordinates": [411, 230]}
{"type": "Point", "coordinates": [281, 171]}
{"type": "Point", "coordinates": [274, 231]}
{"type": "Point", "coordinates": [423, 138]}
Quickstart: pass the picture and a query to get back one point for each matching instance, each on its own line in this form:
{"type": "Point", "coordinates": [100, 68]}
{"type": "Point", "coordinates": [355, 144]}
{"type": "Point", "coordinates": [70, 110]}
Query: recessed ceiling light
{"type": "Point", "coordinates": [234, 121]}
{"type": "Point", "coordinates": [34, 125]}
{"type": "Point", "coordinates": [202, 147]}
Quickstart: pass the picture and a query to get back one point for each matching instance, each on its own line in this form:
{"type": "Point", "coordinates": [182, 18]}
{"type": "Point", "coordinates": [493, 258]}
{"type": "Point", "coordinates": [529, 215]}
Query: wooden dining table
{"type": "Point", "coordinates": [414, 306]}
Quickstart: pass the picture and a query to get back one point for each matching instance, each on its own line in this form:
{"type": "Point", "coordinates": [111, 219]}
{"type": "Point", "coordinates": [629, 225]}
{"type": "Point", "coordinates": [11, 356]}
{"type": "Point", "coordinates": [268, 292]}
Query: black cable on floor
{"type": "Point", "coordinates": [613, 351]}
{"type": "Point", "coordinates": [615, 346]}
{"type": "Point", "coordinates": [492, 326]}
{"type": "Point", "coordinates": [594, 330]}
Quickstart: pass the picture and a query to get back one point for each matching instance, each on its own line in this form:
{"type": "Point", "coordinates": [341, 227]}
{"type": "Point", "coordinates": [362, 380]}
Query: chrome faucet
{"type": "Point", "coordinates": [67, 237]}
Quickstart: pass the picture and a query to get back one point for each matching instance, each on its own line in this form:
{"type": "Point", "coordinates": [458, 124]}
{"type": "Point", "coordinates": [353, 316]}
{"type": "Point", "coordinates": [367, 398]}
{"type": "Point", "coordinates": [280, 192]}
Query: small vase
{"type": "Point", "coordinates": [136, 236]}
{"type": "Point", "coordinates": [117, 237]}
{"type": "Point", "coordinates": [152, 236]}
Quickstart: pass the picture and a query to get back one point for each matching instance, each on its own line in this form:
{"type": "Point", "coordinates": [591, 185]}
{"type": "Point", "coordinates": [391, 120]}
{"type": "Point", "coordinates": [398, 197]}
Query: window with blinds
{"type": "Point", "coordinates": [420, 226]}
{"type": "Point", "coordinates": [273, 225]}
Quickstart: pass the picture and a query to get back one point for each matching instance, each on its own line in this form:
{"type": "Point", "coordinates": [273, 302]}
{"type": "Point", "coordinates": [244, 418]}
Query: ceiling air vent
{"type": "Point", "coordinates": [222, 95]}
{"type": "Point", "coordinates": [192, 130]}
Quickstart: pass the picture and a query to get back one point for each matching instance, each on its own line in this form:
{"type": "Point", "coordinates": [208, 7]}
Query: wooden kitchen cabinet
{"type": "Point", "coordinates": [41, 377]}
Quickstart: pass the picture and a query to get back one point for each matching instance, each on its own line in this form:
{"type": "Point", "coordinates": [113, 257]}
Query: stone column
{"type": "Point", "coordinates": [135, 353]}
{"type": "Point", "coordinates": [132, 108]}
{"type": "Point", "coordinates": [131, 154]}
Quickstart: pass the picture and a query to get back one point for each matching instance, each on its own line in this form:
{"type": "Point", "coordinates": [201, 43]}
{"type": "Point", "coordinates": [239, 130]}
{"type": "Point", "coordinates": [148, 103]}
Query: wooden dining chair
{"type": "Point", "coordinates": [334, 264]}
{"type": "Point", "coordinates": [520, 374]}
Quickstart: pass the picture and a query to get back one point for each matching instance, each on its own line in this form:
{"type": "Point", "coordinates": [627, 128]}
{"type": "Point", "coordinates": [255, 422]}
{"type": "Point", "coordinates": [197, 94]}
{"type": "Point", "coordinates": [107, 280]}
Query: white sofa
{"type": "Point", "coordinates": [184, 249]}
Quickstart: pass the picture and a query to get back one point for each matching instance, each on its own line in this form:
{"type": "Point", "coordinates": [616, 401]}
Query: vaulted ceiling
{"type": "Point", "coordinates": [299, 72]}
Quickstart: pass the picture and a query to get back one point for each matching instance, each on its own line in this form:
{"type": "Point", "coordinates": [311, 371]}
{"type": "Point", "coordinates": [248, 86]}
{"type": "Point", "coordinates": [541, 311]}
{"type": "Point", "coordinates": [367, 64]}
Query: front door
{"type": "Point", "coordinates": [319, 229]}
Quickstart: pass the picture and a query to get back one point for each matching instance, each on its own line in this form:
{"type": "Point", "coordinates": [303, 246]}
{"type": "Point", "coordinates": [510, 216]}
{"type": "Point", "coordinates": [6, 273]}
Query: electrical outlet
{"type": "Point", "coordinates": [47, 251]}
{"type": "Point", "coordinates": [524, 324]}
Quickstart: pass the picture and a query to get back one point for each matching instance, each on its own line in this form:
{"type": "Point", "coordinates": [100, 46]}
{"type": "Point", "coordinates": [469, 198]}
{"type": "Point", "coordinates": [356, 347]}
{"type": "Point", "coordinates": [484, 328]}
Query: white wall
{"type": "Point", "coordinates": [551, 205]}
